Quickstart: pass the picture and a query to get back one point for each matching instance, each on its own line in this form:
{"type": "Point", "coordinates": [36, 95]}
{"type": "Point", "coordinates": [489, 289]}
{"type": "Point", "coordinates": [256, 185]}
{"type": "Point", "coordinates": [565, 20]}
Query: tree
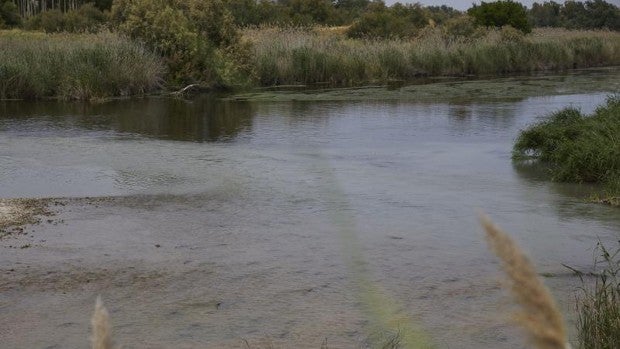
{"type": "Point", "coordinates": [440, 14]}
{"type": "Point", "coordinates": [501, 13]}
{"type": "Point", "coordinates": [198, 38]}
{"type": "Point", "coordinates": [9, 14]}
{"type": "Point", "coordinates": [602, 14]}
{"type": "Point", "coordinates": [397, 21]}
{"type": "Point", "coordinates": [546, 14]}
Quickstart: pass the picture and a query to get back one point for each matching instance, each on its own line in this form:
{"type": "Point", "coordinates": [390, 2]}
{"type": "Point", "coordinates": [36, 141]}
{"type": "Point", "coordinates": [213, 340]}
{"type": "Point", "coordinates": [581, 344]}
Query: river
{"type": "Point", "coordinates": [242, 220]}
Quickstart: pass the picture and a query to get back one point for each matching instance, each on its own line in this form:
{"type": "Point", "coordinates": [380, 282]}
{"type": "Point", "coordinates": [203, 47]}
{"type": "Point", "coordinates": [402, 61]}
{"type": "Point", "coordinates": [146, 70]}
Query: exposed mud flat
{"type": "Point", "coordinates": [16, 213]}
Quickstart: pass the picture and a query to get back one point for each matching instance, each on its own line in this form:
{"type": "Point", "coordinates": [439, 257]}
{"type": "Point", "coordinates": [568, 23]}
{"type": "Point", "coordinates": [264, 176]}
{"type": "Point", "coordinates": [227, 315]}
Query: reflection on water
{"type": "Point", "coordinates": [202, 119]}
{"type": "Point", "coordinates": [572, 201]}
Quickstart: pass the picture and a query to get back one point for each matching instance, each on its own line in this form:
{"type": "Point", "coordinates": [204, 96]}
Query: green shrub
{"type": "Point", "coordinates": [576, 147]}
{"type": "Point", "coordinates": [463, 27]}
{"type": "Point", "coordinates": [380, 21]}
{"type": "Point", "coordinates": [86, 19]}
{"type": "Point", "coordinates": [9, 14]}
{"type": "Point", "coordinates": [198, 39]}
{"type": "Point", "coordinates": [501, 13]}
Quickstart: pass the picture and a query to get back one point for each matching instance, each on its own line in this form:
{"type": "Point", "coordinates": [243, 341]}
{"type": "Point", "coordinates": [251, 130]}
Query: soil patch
{"type": "Point", "coordinates": [15, 213]}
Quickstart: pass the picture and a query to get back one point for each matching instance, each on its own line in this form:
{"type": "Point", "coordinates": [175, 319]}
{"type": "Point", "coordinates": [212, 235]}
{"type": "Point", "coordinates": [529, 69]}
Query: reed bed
{"type": "Point", "coordinates": [75, 66]}
{"type": "Point", "coordinates": [302, 56]}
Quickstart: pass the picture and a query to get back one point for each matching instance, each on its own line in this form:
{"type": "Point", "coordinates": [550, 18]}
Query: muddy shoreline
{"type": "Point", "coordinates": [15, 214]}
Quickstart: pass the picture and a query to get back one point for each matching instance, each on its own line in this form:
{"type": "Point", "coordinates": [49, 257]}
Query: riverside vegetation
{"type": "Point", "coordinates": [208, 43]}
{"type": "Point", "coordinates": [578, 148]}
{"type": "Point", "coordinates": [75, 66]}
{"type": "Point", "coordinates": [598, 306]}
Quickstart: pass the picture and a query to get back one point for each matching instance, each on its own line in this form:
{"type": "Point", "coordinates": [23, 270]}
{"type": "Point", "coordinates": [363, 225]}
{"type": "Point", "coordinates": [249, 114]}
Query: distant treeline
{"type": "Point", "coordinates": [591, 14]}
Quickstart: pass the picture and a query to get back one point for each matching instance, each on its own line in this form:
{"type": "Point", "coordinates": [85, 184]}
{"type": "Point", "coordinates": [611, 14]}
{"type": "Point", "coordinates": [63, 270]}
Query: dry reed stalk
{"type": "Point", "coordinates": [540, 316]}
{"type": "Point", "coordinates": [102, 334]}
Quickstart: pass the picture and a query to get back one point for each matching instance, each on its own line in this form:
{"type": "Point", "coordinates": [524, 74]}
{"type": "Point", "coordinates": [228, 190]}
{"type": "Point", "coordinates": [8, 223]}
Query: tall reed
{"type": "Point", "coordinates": [294, 56]}
{"type": "Point", "coordinates": [75, 66]}
{"type": "Point", "coordinates": [598, 306]}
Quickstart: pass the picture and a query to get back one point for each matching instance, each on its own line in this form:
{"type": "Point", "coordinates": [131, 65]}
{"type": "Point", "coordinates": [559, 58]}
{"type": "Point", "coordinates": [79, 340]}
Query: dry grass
{"type": "Point", "coordinates": [75, 66]}
{"type": "Point", "coordinates": [102, 333]}
{"type": "Point", "coordinates": [539, 314]}
{"type": "Point", "coordinates": [322, 55]}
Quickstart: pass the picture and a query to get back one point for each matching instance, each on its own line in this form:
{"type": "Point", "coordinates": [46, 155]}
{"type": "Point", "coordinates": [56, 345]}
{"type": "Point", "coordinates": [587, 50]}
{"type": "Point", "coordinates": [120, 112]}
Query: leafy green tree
{"type": "Point", "coordinates": [593, 14]}
{"type": "Point", "coordinates": [397, 21]}
{"type": "Point", "coordinates": [501, 13]}
{"type": "Point", "coordinates": [574, 15]}
{"type": "Point", "coordinates": [198, 38]}
{"type": "Point", "coordinates": [87, 18]}
{"type": "Point", "coordinates": [308, 12]}
{"type": "Point", "coordinates": [244, 12]}
{"type": "Point", "coordinates": [461, 27]}
{"type": "Point", "coordinates": [440, 14]}
{"type": "Point", "coordinates": [546, 14]}
{"type": "Point", "coordinates": [103, 5]}
{"type": "Point", "coordinates": [349, 10]}
{"type": "Point", "coordinates": [9, 15]}
{"type": "Point", "coordinates": [602, 14]}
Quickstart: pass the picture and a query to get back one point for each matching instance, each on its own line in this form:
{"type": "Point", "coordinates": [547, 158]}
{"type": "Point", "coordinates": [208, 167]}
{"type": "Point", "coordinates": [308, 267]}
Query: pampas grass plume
{"type": "Point", "coordinates": [102, 334]}
{"type": "Point", "coordinates": [539, 314]}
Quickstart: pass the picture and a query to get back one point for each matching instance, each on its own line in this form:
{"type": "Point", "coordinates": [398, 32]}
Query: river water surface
{"type": "Point", "coordinates": [244, 220]}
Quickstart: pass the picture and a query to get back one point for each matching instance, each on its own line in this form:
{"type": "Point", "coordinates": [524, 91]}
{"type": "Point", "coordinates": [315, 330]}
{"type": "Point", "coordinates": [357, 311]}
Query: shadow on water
{"type": "Point", "coordinates": [536, 179]}
{"type": "Point", "coordinates": [204, 119]}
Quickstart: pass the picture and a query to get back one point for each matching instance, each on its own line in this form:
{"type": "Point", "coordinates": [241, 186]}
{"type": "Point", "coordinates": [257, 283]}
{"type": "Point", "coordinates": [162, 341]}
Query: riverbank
{"type": "Point", "coordinates": [36, 65]}
{"type": "Point", "coordinates": [578, 147]}
{"type": "Point", "coordinates": [98, 66]}
{"type": "Point", "coordinates": [16, 213]}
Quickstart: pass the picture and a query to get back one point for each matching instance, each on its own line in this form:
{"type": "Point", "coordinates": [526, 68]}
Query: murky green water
{"type": "Point", "coordinates": [239, 218]}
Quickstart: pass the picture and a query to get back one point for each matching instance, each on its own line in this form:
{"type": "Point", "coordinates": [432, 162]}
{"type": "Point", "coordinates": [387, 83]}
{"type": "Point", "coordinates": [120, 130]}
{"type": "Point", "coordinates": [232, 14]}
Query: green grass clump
{"type": "Point", "coordinates": [577, 147]}
{"type": "Point", "coordinates": [298, 56]}
{"type": "Point", "coordinates": [75, 66]}
{"type": "Point", "coordinates": [598, 307]}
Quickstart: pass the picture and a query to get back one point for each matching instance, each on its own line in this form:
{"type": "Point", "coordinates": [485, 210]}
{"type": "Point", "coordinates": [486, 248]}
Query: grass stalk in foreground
{"type": "Point", "coordinates": [539, 314]}
{"type": "Point", "coordinates": [598, 306]}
